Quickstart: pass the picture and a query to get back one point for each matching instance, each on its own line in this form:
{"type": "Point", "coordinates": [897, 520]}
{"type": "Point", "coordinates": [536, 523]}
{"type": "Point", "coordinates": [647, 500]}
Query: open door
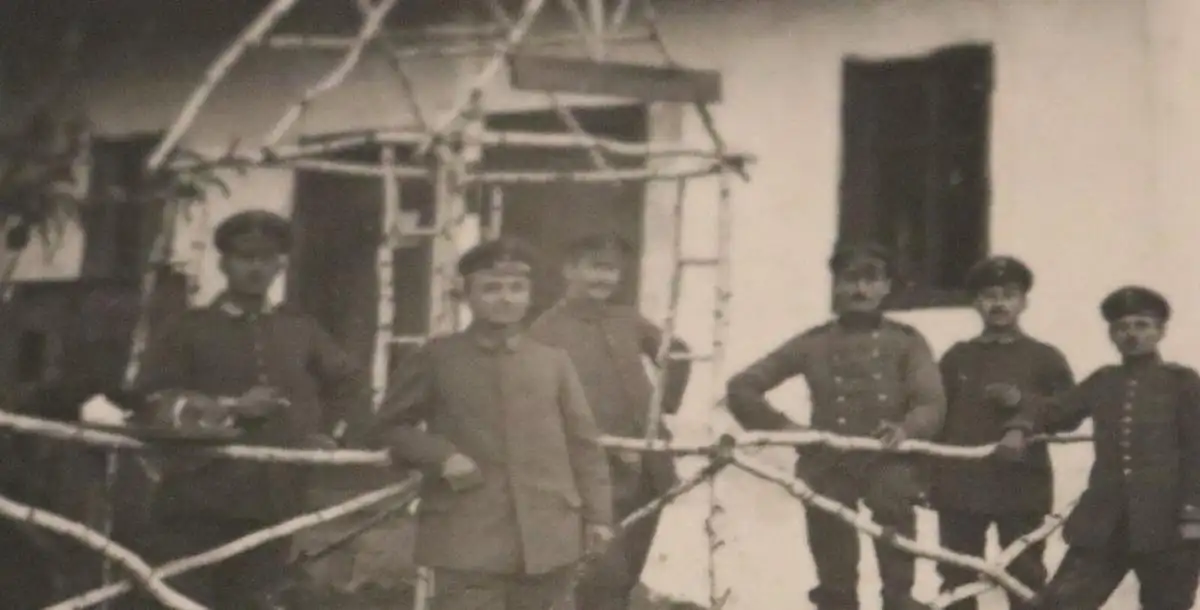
{"type": "Point", "coordinates": [552, 214]}
{"type": "Point", "coordinates": [333, 275]}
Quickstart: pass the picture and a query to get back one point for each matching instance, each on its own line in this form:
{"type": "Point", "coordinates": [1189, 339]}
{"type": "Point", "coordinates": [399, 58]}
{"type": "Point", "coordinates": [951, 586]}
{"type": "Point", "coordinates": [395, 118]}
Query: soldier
{"type": "Point", "coordinates": [607, 343]}
{"type": "Point", "coordinates": [866, 375]}
{"type": "Point", "coordinates": [1141, 509]}
{"type": "Point", "coordinates": [972, 495]}
{"type": "Point", "coordinates": [270, 372]}
{"type": "Point", "coordinates": [518, 488]}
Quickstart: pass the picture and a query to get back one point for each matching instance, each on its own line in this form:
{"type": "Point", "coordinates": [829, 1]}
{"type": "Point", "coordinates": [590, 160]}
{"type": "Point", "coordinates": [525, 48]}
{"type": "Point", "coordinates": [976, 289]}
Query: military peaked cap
{"type": "Point", "coordinates": [845, 254]}
{"type": "Point", "coordinates": [261, 224]}
{"type": "Point", "coordinates": [999, 271]}
{"type": "Point", "coordinates": [1131, 300]}
{"type": "Point", "coordinates": [609, 242]}
{"type": "Point", "coordinates": [504, 255]}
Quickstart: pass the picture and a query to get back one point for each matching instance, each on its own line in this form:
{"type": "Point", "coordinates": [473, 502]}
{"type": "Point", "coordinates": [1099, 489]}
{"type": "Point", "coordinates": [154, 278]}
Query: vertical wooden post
{"type": "Point", "coordinates": [384, 266]}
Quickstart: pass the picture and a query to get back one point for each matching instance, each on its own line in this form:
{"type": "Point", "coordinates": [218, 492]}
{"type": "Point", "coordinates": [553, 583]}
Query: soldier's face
{"type": "Point", "coordinates": [593, 277]}
{"type": "Point", "coordinates": [499, 298]}
{"type": "Point", "coordinates": [861, 288]}
{"type": "Point", "coordinates": [1000, 306]}
{"type": "Point", "coordinates": [1137, 335]}
{"type": "Point", "coordinates": [251, 269]}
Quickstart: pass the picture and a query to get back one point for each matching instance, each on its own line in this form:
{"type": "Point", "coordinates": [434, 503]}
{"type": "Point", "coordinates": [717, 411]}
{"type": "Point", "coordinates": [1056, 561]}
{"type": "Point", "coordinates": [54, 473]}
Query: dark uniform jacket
{"type": "Point", "coordinates": [517, 409]}
{"type": "Point", "coordinates": [858, 377]}
{"type": "Point", "coordinates": [221, 351]}
{"type": "Point", "coordinates": [1146, 420]}
{"type": "Point", "coordinates": [990, 486]}
{"type": "Point", "coordinates": [606, 343]}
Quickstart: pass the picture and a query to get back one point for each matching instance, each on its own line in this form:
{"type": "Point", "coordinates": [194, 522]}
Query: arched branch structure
{"type": "Point", "coordinates": [727, 451]}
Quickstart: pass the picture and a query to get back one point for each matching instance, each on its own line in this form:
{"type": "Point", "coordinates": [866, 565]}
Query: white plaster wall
{"type": "Point", "coordinates": [1094, 131]}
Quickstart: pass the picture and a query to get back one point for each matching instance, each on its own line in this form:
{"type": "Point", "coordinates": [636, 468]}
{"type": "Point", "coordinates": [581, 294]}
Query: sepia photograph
{"type": "Point", "coordinates": [599, 305]}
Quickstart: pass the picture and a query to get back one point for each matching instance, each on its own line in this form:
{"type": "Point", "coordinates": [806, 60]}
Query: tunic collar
{"type": "Point", "coordinates": [584, 309]}
{"type": "Point", "coordinates": [1005, 337]}
{"type": "Point", "coordinates": [1142, 361]}
{"type": "Point", "coordinates": [494, 340]}
{"type": "Point", "coordinates": [860, 321]}
{"type": "Point", "coordinates": [225, 305]}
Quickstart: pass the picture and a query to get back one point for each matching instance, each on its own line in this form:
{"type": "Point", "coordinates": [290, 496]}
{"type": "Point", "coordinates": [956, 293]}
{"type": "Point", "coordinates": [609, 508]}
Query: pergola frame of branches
{"type": "Point", "coordinates": [449, 141]}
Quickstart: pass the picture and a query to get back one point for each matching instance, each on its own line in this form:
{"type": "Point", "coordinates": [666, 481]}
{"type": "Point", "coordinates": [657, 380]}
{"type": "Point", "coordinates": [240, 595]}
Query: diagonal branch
{"type": "Point", "coordinates": [484, 78]}
{"type": "Point", "coordinates": [568, 118]}
{"type": "Point", "coordinates": [370, 26]}
{"type": "Point", "coordinates": [395, 58]}
{"type": "Point", "coordinates": [804, 493]}
{"type": "Point", "coordinates": [1051, 525]}
{"type": "Point", "coordinates": [251, 36]}
{"type": "Point", "coordinates": [142, 572]}
{"type": "Point", "coordinates": [405, 489]}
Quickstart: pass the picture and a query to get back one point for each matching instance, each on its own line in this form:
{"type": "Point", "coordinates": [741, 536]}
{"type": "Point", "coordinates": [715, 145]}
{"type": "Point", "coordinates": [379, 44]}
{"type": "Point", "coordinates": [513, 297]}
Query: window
{"type": "Point", "coordinates": [120, 229]}
{"type": "Point", "coordinates": [915, 140]}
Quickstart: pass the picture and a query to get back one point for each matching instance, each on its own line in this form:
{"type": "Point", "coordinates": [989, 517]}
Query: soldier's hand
{"type": "Point", "coordinates": [1189, 528]}
{"type": "Point", "coordinates": [891, 434]}
{"type": "Point", "coordinates": [597, 538]}
{"type": "Point", "coordinates": [1002, 394]}
{"type": "Point", "coordinates": [198, 411]}
{"type": "Point", "coordinates": [1012, 447]}
{"type": "Point", "coordinates": [461, 472]}
{"type": "Point", "coordinates": [259, 402]}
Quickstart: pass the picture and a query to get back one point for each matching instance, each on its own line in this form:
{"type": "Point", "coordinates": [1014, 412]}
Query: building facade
{"type": "Point", "coordinates": [1059, 131]}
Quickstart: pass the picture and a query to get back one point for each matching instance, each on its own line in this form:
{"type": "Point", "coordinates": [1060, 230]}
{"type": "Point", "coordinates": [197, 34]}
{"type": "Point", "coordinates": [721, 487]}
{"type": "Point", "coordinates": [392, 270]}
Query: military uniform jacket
{"type": "Point", "coordinates": [990, 486]}
{"type": "Point", "coordinates": [1146, 420]}
{"type": "Point", "coordinates": [607, 343]}
{"type": "Point", "coordinates": [221, 351]}
{"type": "Point", "coordinates": [517, 409]}
{"type": "Point", "coordinates": [858, 376]}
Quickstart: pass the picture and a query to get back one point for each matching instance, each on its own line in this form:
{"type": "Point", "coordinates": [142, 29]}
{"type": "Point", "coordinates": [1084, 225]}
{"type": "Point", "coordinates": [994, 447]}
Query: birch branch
{"type": "Point", "coordinates": [564, 113]}
{"type": "Point", "coordinates": [804, 438]}
{"type": "Point", "coordinates": [1051, 525]}
{"type": "Point", "coordinates": [592, 176]}
{"type": "Point", "coordinates": [371, 23]}
{"type": "Point", "coordinates": [69, 432]}
{"type": "Point", "coordinates": [804, 493]}
{"type": "Point", "coordinates": [484, 78]}
{"type": "Point", "coordinates": [248, 542]}
{"type": "Point", "coordinates": [285, 152]}
{"type": "Point", "coordinates": [251, 36]}
{"type": "Point", "coordinates": [23, 513]}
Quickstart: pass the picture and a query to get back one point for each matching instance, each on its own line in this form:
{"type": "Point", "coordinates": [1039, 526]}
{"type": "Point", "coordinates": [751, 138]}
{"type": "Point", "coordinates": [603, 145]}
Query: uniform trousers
{"type": "Point", "coordinates": [610, 582]}
{"type": "Point", "coordinates": [889, 491]}
{"type": "Point", "coordinates": [1086, 578]}
{"type": "Point", "coordinates": [245, 581]}
{"type": "Point", "coordinates": [464, 590]}
{"type": "Point", "coordinates": [966, 532]}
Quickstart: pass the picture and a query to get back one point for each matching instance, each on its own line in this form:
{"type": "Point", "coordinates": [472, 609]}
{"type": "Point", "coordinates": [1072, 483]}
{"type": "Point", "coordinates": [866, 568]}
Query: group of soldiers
{"type": "Point", "coordinates": [504, 419]}
{"type": "Point", "coordinates": [869, 375]}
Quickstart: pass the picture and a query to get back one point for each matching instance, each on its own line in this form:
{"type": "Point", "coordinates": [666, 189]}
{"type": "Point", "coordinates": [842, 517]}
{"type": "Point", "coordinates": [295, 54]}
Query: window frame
{"type": "Point", "coordinates": [917, 284]}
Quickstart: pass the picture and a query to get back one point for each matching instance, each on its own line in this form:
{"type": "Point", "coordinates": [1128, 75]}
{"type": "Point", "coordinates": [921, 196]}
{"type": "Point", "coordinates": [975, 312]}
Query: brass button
{"type": "Point", "coordinates": [841, 421]}
{"type": "Point", "coordinates": [882, 397]}
{"type": "Point", "coordinates": [1128, 471]}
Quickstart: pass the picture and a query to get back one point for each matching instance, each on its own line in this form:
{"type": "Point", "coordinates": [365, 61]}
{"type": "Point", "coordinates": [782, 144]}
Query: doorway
{"type": "Point", "coordinates": [550, 215]}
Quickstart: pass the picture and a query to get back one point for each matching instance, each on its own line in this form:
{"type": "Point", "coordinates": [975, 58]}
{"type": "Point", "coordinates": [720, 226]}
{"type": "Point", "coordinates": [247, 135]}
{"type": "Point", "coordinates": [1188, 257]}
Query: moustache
{"type": "Point", "coordinates": [998, 311]}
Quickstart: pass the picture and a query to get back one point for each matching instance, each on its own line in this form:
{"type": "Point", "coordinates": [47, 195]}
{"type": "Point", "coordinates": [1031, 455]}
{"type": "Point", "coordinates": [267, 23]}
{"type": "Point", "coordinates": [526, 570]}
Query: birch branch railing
{"type": "Point", "coordinates": [728, 450]}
